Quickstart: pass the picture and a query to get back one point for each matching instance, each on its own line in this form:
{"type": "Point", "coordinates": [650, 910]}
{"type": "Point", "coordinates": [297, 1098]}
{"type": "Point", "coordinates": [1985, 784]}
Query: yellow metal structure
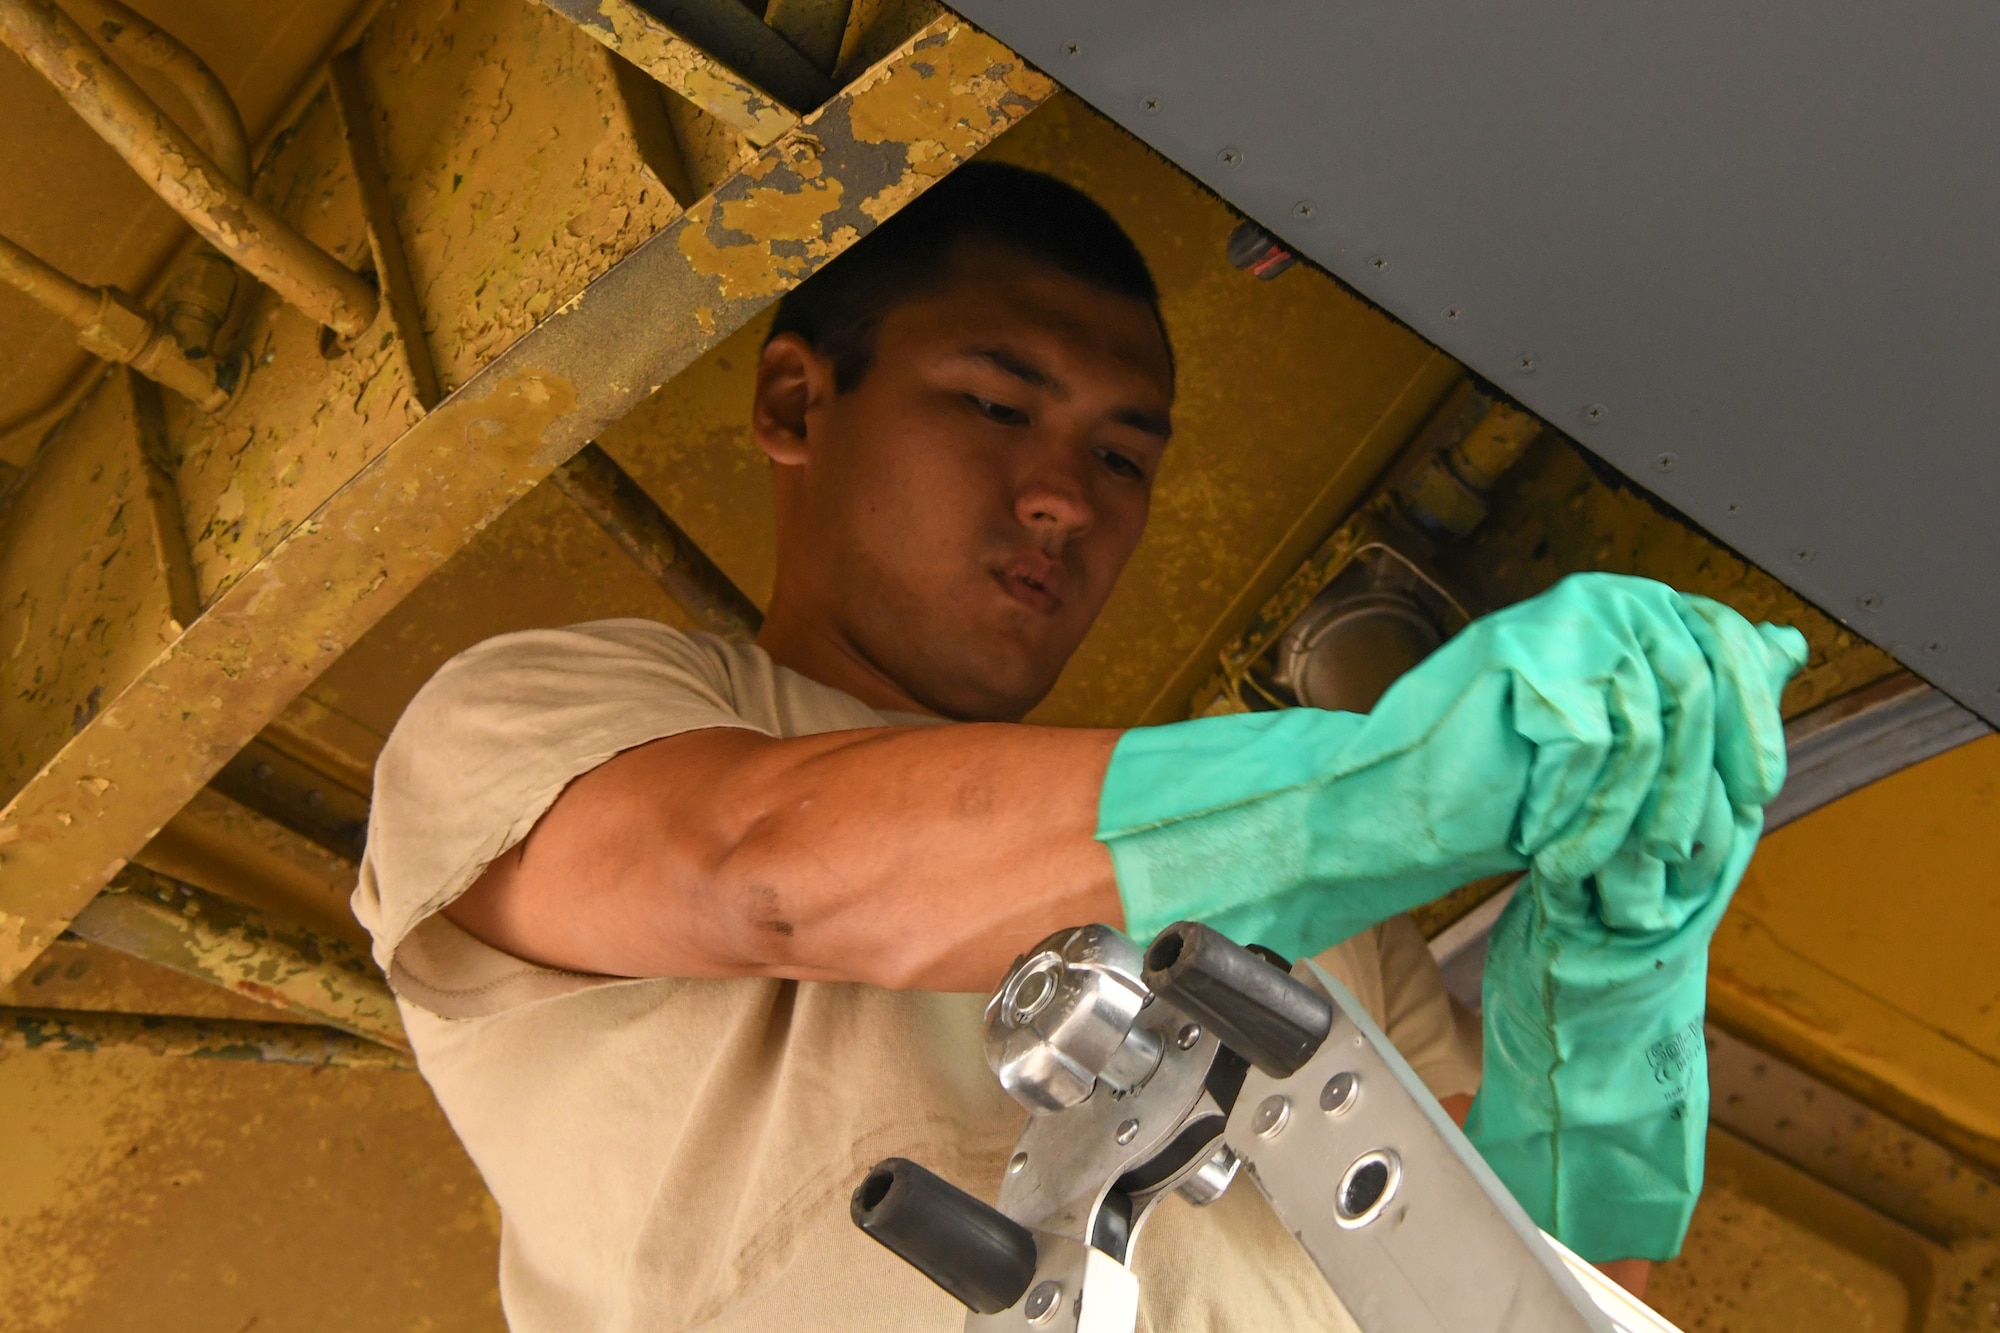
{"type": "Point", "coordinates": [1862, 945]}
{"type": "Point", "coordinates": [576, 218]}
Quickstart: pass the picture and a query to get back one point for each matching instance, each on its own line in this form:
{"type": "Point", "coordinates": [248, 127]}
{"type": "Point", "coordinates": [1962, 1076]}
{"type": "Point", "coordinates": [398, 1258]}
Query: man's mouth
{"type": "Point", "coordinates": [1034, 581]}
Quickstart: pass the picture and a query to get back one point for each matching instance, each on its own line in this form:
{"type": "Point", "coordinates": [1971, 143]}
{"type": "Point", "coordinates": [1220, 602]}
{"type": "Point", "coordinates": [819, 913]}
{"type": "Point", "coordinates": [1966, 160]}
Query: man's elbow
{"type": "Point", "coordinates": [769, 923]}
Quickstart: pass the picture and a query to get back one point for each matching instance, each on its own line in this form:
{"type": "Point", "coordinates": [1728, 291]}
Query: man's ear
{"type": "Point", "coordinates": [793, 381]}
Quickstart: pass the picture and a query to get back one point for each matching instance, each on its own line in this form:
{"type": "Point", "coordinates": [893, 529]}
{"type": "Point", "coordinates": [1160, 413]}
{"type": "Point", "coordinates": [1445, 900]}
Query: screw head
{"type": "Point", "coordinates": [1871, 601]}
{"type": "Point", "coordinates": [1525, 363]}
{"type": "Point", "coordinates": [1802, 555]}
{"type": "Point", "coordinates": [1452, 312]}
{"type": "Point", "coordinates": [1732, 508]}
{"type": "Point", "coordinates": [1378, 264]}
{"type": "Point", "coordinates": [1017, 1163]}
{"type": "Point", "coordinates": [1188, 1036]}
{"type": "Point", "coordinates": [262, 772]}
{"type": "Point", "coordinates": [1596, 412]}
{"type": "Point", "coordinates": [1272, 1113]}
{"type": "Point", "coordinates": [1304, 208]}
{"type": "Point", "coordinates": [1072, 49]}
{"type": "Point", "coordinates": [1230, 157]}
{"type": "Point", "coordinates": [1152, 105]}
{"type": "Point", "coordinates": [1933, 648]}
{"type": "Point", "coordinates": [1338, 1094]}
{"type": "Point", "coordinates": [1666, 462]}
{"type": "Point", "coordinates": [1043, 1302]}
{"type": "Point", "coordinates": [1127, 1131]}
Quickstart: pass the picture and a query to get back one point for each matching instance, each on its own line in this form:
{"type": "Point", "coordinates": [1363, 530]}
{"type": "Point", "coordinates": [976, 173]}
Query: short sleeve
{"type": "Point", "coordinates": [1435, 1033]}
{"type": "Point", "coordinates": [490, 742]}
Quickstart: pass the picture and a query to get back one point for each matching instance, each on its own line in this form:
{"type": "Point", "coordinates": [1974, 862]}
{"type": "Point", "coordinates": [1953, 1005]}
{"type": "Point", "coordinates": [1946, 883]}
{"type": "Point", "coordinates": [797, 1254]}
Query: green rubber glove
{"type": "Point", "coordinates": [1548, 734]}
{"type": "Point", "coordinates": [1593, 1107]}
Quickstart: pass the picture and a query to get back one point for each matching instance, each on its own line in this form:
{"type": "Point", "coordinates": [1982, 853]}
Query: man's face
{"type": "Point", "coordinates": [957, 519]}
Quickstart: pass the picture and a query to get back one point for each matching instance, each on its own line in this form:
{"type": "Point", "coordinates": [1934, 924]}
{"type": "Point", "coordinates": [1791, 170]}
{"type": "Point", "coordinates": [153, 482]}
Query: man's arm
{"type": "Point", "coordinates": [910, 857]}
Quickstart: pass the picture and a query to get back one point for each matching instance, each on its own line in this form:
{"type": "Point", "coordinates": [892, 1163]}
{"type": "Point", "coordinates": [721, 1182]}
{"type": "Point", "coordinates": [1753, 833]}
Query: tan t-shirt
{"type": "Point", "coordinates": [678, 1154]}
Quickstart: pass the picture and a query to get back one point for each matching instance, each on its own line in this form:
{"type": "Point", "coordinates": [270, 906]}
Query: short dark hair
{"type": "Point", "coordinates": [839, 308]}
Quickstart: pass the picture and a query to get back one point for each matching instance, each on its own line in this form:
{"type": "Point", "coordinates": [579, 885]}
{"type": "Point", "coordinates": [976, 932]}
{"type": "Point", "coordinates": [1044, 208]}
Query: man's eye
{"type": "Point", "coordinates": [1120, 465]}
{"type": "Point", "coordinates": [1000, 412]}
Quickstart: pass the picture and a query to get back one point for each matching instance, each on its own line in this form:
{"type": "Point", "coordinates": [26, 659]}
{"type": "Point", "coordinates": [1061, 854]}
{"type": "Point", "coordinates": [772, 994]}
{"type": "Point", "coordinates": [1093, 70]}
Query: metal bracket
{"type": "Point", "coordinates": [1281, 1071]}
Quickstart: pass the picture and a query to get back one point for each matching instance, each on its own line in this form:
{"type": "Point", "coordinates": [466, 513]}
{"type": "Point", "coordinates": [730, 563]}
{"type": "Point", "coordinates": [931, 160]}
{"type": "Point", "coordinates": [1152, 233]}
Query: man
{"type": "Point", "coordinates": [687, 934]}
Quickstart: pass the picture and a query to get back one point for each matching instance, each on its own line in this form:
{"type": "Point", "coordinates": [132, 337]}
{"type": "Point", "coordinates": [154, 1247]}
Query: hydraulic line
{"type": "Point", "coordinates": [112, 325]}
{"type": "Point", "coordinates": [167, 159]}
{"type": "Point", "coordinates": [118, 28]}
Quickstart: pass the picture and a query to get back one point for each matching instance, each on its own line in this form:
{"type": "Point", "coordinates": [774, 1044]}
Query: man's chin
{"type": "Point", "coordinates": [978, 692]}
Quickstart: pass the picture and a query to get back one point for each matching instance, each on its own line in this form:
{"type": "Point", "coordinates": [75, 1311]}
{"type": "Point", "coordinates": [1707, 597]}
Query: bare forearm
{"type": "Point", "coordinates": [909, 857]}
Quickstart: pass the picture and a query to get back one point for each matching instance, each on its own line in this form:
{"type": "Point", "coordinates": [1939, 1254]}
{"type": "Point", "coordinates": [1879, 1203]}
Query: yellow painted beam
{"type": "Point", "coordinates": [941, 97]}
{"type": "Point", "coordinates": [1862, 942]}
{"type": "Point", "coordinates": [725, 93]}
{"type": "Point", "coordinates": [86, 1031]}
{"type": "Point", "coordinates": [198, 934]}
{"type": "Point", "coordinates": [85, 603]}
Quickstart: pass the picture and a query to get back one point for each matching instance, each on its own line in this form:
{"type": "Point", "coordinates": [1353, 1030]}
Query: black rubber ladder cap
{"type": "Point", "coordinates": [1256, 1008]}
{"type": "Point", "coordinates": [980, 1255]}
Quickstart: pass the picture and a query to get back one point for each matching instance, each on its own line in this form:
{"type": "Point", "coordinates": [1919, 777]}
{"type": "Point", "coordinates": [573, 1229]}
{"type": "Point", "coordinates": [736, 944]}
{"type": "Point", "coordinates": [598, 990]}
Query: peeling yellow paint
{"type": "Point", "coordinates": [81, 600]}
{"type": "Point", "coordinates": [386, 493]}
{"type": "Point", "coordinates": [308, 976]}
{"type": "Point", "coordinates": [653, 47]}
{"type": "Point", "coordinates": [219, 845]}
{"type": "Point", "coordinates": [940, 100]}
{"type": "Point", "coordinates": [942, 103]}
{"type": "Point", "coordinates": [752, 267]}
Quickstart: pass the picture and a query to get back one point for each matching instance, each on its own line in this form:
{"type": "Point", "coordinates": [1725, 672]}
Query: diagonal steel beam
{"type": "Point", "coordinates": [595, 483]}
{"type": "Point", "coordinates": [759, 92]}
{"type": "Point", "coordinates": [939, 98]}
{"type": "Point", "coordinates": [203, 935]}
{"type": "Point", "coordinates": [85, 1030]}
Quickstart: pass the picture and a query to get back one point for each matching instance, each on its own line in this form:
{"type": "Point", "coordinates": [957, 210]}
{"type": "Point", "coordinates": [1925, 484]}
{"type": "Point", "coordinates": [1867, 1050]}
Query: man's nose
{"type": "Point", "coordinates": [1053, 496]}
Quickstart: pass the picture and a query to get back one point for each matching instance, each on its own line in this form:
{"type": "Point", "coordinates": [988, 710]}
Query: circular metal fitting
{"type": "Point", "coordinates": [1064, 1020]}
{"type": "Point", "coordinates": [1127, 1131]}
{"type": "Point", "coordinates": [1189, 1034]}
{"type": "Point", "coordinates": [1043, 1302]}
{"type": "Point", "coordinates": [1366, 1188]}
{"type": "Point", "coordinates": [1343, 653]}
{"type": "Point", "coordinates": [1272, 1114]}
{"type": "Point", "coordinates": [1337, 1097]}
{"type": "Point", "coordinates": [1211, 1180]}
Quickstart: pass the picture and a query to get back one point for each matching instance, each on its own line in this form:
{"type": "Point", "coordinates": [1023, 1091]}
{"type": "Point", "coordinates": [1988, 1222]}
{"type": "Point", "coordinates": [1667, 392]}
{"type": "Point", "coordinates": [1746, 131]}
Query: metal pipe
{"type": "Point", "coordinates": [119, 28]}
{"type": "Point", "coordinates": [167, 159]}
{"type": "Point", "coordinates": [59, 403]}
{"type": "Point", "coordinates": [56, 290]}
{"type": "Point", "coordinates": [198, 299]}
{"type": "Point", "coordinates": [112, 325]}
